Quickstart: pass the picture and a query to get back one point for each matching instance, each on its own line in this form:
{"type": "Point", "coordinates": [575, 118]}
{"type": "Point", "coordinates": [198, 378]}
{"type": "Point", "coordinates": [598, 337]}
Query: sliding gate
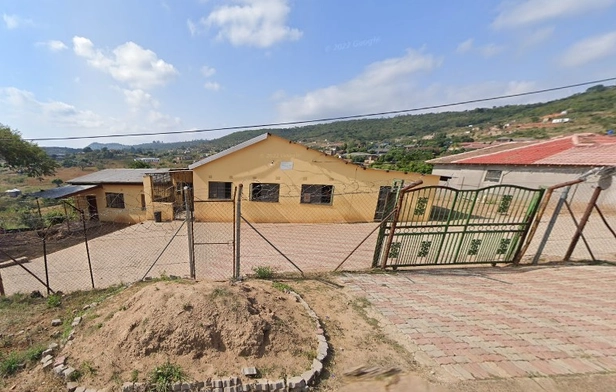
{"type": "Point", "coordinates": [442, 225]}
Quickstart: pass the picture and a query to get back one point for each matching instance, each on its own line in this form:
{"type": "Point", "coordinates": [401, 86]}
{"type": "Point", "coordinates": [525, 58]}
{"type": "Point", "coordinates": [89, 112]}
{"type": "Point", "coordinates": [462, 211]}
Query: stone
{"type": "Point", "coordinates": [260, 385]}
{"type": "Point", "coordinates": [250, 371]}
{"type": "Point", "coordinates": [90, 390]}
{"type": "Point", "coordinates": [185, 387]}
{"type": "Point", "coordinates": [71, 386]}
{"type": "Point", "coordinates": [46, 358]}
{"type": "Point", "coordinates": [68, 371]}
{"type": "Point", "coordinates": [56, 322]}
{"type": "Point", "coordinates": [177, 387]}
{"type": "Point", "coordinates": [200, 385]}
{"type": "Point", "coordinates": [310, 376]}
{"type": "Point", "coordinates": [139, 387]}
{"type": "Point", "coordinates": [59, 369]}
{"type": "Point", "coordinates": [216, 383]}
{"type": "Point", "coordinates": [317, 366]}
{"type": "Point", "coordinates": [230, 389]}
{"type": "Point", "coordinates": [321, 338]}
{"type": "Point", "coordinates": [48, 364]}
{"type": "Point", "coordinates": [46, 353]}
{"type": "Point", "coordinates": [52, 346]}
{"type": "Point", "coordinates": [128, 387]}
{"type": "Point", "coordinates": [296, 382]}
{"type": "Point", "coordinates": [59, 361]}
{"type": "Point", "coordinates": [76, 321]}
{"type": "Point", "coordinates": [80, 389]}
{"type": "Point", "coordinates": [277, 385]}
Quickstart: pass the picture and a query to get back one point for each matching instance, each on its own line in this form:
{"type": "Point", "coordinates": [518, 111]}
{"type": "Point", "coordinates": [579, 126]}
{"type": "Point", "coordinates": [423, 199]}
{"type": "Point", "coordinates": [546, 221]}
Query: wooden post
{"type": "Point", "coordinates": [2, 294]}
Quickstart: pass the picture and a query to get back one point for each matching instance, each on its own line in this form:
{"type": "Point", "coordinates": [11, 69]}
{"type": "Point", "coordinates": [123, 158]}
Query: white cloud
{"type": "Point", "coordinates": [590, 49]}
{"type": "Point", "coordinates": [465, 46]}
{"type": "Point", "coordinates": [260, 23]}
{"type": "Point", "coordinates": [138, 98]}
{"type": "Point", "coordinates": [486, 51]}
{"type": "Point", "coordinates": [212, 86]}
{"type": "Point", "coordinates": [537, 37]}
{"type": "Point", "coordinates": [208, 71]}
{"type": "Point", "coordinates": [521, 13]}
{"type": "Point", "coordinates": [56, 113]}
{"type": "Point", "coordinates": [383, 85]}
{"type": "Point", "coordinates": [163, 121]}
{"type": "Point", "coordinates": [128, 63]}
{"type": "Point", "coordinates": [53, 45]}
{"type": "Point", "coordinates": [13, 21]}
{"type": "Point", "coordinates": [192, 27]}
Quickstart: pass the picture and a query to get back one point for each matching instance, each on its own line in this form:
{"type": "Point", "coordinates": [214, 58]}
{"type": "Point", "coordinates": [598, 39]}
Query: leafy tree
{"type": "Point", "coordinates": [87, 149]}
{"type": "Point", "coordinates": [23, 155]}
{"type": "Point", "coordinates": [57, 181]}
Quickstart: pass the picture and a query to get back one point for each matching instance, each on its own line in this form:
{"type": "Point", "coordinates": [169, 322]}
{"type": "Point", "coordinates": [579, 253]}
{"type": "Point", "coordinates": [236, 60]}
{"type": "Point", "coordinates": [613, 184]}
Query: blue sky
{"type": "Point", "coordinates": [76, 68]}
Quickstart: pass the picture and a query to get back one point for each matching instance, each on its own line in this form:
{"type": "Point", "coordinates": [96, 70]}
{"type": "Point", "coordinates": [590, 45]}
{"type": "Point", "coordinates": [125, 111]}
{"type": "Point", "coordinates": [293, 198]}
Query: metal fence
{"type": "Point", "coordinates": [53, 248]}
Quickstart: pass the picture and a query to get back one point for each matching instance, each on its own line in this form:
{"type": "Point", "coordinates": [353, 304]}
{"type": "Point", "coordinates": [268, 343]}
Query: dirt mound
{"type": "Point", "coordinates": [209, 329]}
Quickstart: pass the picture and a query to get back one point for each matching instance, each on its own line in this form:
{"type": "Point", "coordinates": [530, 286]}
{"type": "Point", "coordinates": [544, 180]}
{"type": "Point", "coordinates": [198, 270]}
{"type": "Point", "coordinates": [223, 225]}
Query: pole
{"type": "Point", "coordinates": [583, 221]}
{"type": "Point", "coordinates": [191, 238]}
{"type": "Point", "coordinates": [551, 224]}
{"type": "Point", "coordinates": [85, 238]}
{"type": "Point", "coordinates": [238, 218]}
{"type": "Point", "coordinates": [2, 294]}
{"type": "Point", "coordinates": [38, 205]}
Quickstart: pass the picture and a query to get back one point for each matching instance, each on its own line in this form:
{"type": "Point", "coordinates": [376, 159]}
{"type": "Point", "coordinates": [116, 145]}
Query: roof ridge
{"type": "Point", "coordinates": [514, 148]}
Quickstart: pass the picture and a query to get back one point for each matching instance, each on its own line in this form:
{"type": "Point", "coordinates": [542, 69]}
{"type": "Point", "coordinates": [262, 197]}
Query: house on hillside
{"type": "Point", "coordinates": [126, 195]}
{"type": "Point", "coordinates": [532, 164]}
{"type": "Point", "coordinates": [287, 182]}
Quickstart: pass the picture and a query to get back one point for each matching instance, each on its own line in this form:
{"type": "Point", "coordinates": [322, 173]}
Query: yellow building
{"type": "Point", "coordinates": [287, 182]}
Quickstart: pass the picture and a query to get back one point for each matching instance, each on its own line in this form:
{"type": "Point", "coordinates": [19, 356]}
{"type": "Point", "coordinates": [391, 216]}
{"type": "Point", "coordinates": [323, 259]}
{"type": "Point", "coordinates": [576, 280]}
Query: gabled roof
{"type": "Point", "coordinates": [231, 150]}
{"type": "Point", "coordinates": [576, 150]}
{"type": "Point", "coordinates": [116, 176]}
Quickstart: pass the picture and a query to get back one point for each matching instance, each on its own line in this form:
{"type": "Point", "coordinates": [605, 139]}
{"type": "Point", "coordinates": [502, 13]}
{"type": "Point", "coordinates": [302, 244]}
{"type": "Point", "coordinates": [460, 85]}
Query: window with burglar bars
{"type": "Point", "coordinates": [219, 190]}
{"type": "Point", "coordinates": [162, 188]}
{"type": "Point", "coordinates": [317, 194]}
{"type": "Point", "coordinates": [265, 192]}
{"type": "Point", "coordinates": [114, 200]}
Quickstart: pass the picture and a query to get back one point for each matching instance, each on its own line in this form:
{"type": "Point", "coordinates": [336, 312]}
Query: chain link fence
{"type": "Point", "coordinates": [563, 215]}
{"type": "Point", "coordinates": [52, 246]}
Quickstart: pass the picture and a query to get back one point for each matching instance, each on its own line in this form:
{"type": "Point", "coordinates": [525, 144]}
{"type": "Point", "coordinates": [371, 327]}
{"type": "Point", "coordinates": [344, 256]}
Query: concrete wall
{"type": "Point", "coordinates": [276, 160]}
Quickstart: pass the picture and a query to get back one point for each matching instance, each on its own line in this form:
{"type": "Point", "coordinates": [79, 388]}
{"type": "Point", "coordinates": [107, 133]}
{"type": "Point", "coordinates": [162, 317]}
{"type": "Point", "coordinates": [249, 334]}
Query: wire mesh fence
{"type": "Point", "coordinates": [597, 241]}
{"type": "Point", "coordinates": [73, 252]}
{"type": "Point", "coordinates": [317, 229]}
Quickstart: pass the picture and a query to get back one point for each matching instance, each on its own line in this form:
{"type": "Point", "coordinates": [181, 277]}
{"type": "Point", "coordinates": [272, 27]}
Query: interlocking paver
{"type": "Point", "coordinates": [502, 322]}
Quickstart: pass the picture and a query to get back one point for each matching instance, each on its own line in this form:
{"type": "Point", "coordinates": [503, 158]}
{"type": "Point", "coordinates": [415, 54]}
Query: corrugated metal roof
{"type": "Point", "coordinates": [228, 151]}
{"type": "Point", "coordinates": [116, 176]}
{"type": "Point", "coordinates": [576, 150]}
{"type": "Point", "coordinates": [63, 191]}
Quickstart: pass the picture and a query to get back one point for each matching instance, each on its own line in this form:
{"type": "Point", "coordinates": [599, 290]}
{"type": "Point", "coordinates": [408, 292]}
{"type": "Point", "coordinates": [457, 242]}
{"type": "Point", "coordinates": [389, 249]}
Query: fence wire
{"type": "Point", "coordinates": [50, 245]}
{"type": "Point", "coordinates": [597, 241]}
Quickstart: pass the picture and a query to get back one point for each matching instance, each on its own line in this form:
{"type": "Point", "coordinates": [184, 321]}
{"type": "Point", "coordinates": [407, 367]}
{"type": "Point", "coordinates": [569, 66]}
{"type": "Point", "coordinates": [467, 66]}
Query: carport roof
{"type": "Point", "coordinates": [63, 191]}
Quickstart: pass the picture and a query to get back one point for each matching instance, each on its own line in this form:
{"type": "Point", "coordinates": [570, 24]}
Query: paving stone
{"type": "Point", "coordinates": [59, 369]}
{"type": "Point", "coordinates": [249, 371]}
{"type": "Point", "coordinates": [56, 322]}
{"type": "Point", "coordinates": [310, 376]}
{"type": "Point", "coordinates": [217, 383]}
{"type": "Point", "coordinates": [296, 382]}
{"type": "Point", "coordinates": [48, 364]}
{"type": "Point", "coordinates": [49, 351]}
{"type": "Point", "coordinates": [317, 366]}
{"type": "Point", "coordinates": [46, 358]}
{"type": "Point", "coordinates": [90, 390]}
{"type": "Point", "coordinates": [140, 387]}
{"type": "Point", "coordinates": [80, 389]}
{"type": "Point", "coordinates": [76, 321]}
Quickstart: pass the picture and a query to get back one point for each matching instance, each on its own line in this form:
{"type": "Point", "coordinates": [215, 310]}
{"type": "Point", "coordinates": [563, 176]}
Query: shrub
{"type": "Point", "coordinates": [163, 377]}
{"type": "Point", "coordinates": [263, 272]}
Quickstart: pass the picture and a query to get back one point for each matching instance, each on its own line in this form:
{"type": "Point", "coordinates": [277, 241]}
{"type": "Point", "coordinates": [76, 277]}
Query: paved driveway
{"type": "Point", "coordinates": [481, 323]}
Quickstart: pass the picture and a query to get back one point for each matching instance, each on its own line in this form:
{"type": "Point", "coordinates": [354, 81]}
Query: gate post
{"type": "Point", "coordinates": [191, 238]}
{"type": "Point", "coordinates": [238, 219]}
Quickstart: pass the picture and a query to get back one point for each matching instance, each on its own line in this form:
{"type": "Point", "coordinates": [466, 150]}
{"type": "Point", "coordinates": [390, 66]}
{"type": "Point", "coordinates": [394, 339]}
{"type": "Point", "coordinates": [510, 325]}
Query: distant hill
{"type": "Point", "coordinates": [591, 111]}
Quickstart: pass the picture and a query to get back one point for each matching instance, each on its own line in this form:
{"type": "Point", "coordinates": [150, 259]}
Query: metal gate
{"type": "Point", "coordinates": [442, 225]}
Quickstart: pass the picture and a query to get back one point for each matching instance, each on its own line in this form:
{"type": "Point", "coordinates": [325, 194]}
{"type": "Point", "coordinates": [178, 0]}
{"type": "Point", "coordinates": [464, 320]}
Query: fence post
{"type": "Point", "coordinates": [1, 286]}
{"type": "Point", "coordinates": [238, 219]}
{"type": "Point", "coordinates": [85, 238]}
{"type": "Point", "coordinates": [583, 221]}
{"type": "Point", "coordinates": [38, 205]}
{"type": "Point", "coordinates": [191, 238]}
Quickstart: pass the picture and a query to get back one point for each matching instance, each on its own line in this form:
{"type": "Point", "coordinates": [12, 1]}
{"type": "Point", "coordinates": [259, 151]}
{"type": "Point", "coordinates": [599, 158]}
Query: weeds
{"type": "Point", "coordinates": [219, 292]}
{"type": "Point", "coordinates": [163, 376]}
{"type": "Point", "coordinates": [285, 288]}
{"type": "Point", "coordinates": [10, 365]}
{"type": "Point", "coordinates": [134, 375]}
{"type": "Point", "coordinates": [54, 301]}
{"type": "Point", "coordinates": [263, 272]}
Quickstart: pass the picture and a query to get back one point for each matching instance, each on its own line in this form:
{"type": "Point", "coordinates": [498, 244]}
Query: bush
{"type": "Point", "coordinates": [263, 272]}
{"type": "Point", "coordinates": [54, 218]}
{"type": "Point", "coordinates": [163, 377]}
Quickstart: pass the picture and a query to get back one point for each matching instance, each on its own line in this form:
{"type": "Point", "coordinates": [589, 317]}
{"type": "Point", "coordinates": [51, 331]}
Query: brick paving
{"type": "Point", "coordinates": [483, 323]}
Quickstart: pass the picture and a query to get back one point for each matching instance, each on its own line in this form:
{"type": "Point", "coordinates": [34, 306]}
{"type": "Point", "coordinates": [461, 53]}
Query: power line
{"type": "Point", "coordinates": [326, 119]}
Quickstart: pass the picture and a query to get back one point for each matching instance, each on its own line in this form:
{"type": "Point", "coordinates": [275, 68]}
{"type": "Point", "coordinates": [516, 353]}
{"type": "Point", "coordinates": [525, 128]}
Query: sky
{"type": "Point", "coordinates": [99, 67]}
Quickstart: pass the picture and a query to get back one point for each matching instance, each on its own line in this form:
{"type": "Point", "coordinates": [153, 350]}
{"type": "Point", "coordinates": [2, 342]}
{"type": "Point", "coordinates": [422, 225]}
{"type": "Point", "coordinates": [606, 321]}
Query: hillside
{"type": "Point", "coordinates": [591, 111]}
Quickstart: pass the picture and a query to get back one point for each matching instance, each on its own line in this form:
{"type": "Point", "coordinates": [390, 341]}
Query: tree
{"type": "Point", "coordinates": [19, 154]}
{"type": "Point", "coordinates": [57, 181]}
{"type": "Point", "coordinates": [139, 165]}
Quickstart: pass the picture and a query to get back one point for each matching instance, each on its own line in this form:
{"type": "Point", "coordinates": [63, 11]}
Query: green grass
{"type": "Point", "coordinates": [263, 272]}
{"type": "Point", "coordinates": [163, 376]}
{"type": "Point", "coordinates": [281, 286]}
{"type": "Point", "coordinates": [15, 360]}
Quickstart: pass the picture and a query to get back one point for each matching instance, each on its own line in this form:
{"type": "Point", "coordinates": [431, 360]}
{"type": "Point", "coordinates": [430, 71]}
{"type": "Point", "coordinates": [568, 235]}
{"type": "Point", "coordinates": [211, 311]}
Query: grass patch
{"type": "Point", "coordinates": [263, 272]}
{"type": "Point", "coordinates": [17, 360]}
{"type": "Point", "coordinates": [281, 286]}
{"type": "Point", "coordinates": [360, 305]}
{"type": "Point", "coordinates": [54, 301]}
{"type": "Point", "coordinates": [163, 376]}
